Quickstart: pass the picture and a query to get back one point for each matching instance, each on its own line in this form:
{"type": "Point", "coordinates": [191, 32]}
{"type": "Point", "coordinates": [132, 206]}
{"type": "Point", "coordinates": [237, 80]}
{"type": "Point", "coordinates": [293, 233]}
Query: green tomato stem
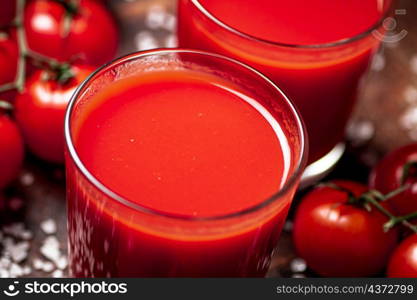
{"type": "Point", "coordinates": [25, 52]}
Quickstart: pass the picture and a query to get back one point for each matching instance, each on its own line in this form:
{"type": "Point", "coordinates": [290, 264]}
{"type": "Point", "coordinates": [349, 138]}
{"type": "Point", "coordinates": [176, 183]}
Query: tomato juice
{"type": "Point", "coordinates": [179, 171]}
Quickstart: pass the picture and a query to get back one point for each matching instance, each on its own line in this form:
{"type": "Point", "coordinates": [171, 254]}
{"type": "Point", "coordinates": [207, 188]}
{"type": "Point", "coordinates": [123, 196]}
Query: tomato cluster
{"type": "Point", "coordinates": [347, 229]}
{"type": "Point", "coordinates": [43, 58]}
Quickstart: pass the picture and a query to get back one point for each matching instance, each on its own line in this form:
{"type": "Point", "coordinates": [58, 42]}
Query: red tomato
{"type": "Point", "coordinates": [386, 177]}
{"type": "Point", "coordinates": [8, 58]}
{"type": "Point", "coordinates": [92, 34]}
{"type": "Point", "coordinates": [8, 63]}
{"type": "Point", "coordinates": [40, 112]}
{"type": "Point", "coordinates": [337, 239]}
{"type": "Point", "coordinates": [7, 12]}
{"type": "Point", "coordinates": [11, 150]}
{"type": "Point", "coordinates": [403, 262]}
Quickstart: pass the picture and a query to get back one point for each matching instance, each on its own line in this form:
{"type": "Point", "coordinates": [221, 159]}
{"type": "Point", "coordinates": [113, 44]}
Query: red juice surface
{"type": "Point", "coordinates": [322, 82]}
{"type": "Point", "coordinates": [184, 143]}
{"type": "Point", "coordinates": [299, 22]}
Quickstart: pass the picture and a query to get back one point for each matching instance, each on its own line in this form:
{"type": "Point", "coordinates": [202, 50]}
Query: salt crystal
{"type": "Point", "coordinates": [409, 118]}
{"type": "Point", "coordinates": [27, 270]}
{"type": "Point", "coordinates": [19, 251]}
{"type": "Point", "coordinates": [4, 273]}
{"type": "Point", "coordinates": [155, 17]}
{"type": "Point", "coordinates": [26, 235]}
{"type": "Point", "coordinates": [15, 270]}
{"type": "Point", "coordinates": [38, 264]}
{"type": "Point", "coordinates": [58, 274]}
{"type": "Point", "coordinates": [298, 265]}
{"type": "Point", "coordinates": [51, 241]}
{"type": "Point", "coordinates": [27, 179]}
{"type": "Point", "coordinates": [48, 226]}
{"type": "Point", "coordinates": [5, 262]}
{"type": "Point", "coordinates": [169, 22]}
{"type": "Point", "coordinates": [50, 252]}
{"type": "Point", "coordinates": [14, 229]}
{"type": "Point", "coordinates": [144, 40]}
{"type": "Point", "coordinates": [7, 242]}
{"type": "Point", "coordinates": [171, 41]}
{"type": "Point", "coordinates": [47, 267]}
{"type": "Point", "coordinates": [50, 249]}
{"type": "Point", "coordinates": [360, 131]}
{"type": "Point", "coordinates": [62, 263]}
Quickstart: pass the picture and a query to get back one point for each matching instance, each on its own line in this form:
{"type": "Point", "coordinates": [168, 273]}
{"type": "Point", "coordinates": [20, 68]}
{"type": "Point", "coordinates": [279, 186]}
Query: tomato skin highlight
{"type": "Point", "coordinates": [338, 239]}
{"type": "Point", "coordinates": [11, 150]}
{"type": "Point", "coordinates": [92, 37]}
{"type": "Point", "coordinates": [403, 262]}
{"type": "Point", "coordinates": [40, 112]}
{"type": "Point", "coordinates": [386, 177]}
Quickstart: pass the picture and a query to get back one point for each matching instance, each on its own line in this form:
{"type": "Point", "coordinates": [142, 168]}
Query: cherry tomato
{"type": "Point", "coordinates": [7, 12]}
{"type": "Point", "coordinates": [11, 150]}
{"type": "Point", "coordinates": [386, 177]}
{"type": "Point", "coordinates": [40, 112]}
{"type": "Point", "coordinates": [338, 239]}
{"type": "Point", "coordinates": [8, 58]}
{"type": "Point", "coordinates": [403, 262]}
{"type": "Point", "coordinates": [92, 34]}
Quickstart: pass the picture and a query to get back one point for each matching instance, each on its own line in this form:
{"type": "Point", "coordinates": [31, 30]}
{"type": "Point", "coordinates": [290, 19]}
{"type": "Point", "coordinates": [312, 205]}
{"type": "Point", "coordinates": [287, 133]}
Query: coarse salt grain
{"type": "Point", "coordinates": [171, 41]}
{"type": "Point", "coordinates": [50, 252]}
{"type": "Point", "coordinates": [19, 251]}
{"type": "Point", "coordinates": [49, 226]}
{"type": "Point", "coordinates": [48, 267]}
{"type": "Point", "coordinates": [15, 270]}
{"type": "Point", "coordinates": [62, 263]}
{"type": "Point", "coordinates": [27, 179]}
{"type": "Point", "coordinates": [58, 274]}
{"type": "Point", "coordinates": [38, 264]}
{"type": "Point", "coordinates": [14, 229]}
{"type": "Point", "coordinates": [144, 40]}
{"type": "Point", "coordinates": [155, 17]}
{"type": "Point", "coordinates": [169, 22]}
{"type": "Point", "coordinates": [298, 265]}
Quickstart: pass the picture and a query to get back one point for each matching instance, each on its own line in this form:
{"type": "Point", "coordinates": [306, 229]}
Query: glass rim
{"type": "Point", "coordinates": [71, 150]}
{"type": "Point", "coordinates": [335, 43]}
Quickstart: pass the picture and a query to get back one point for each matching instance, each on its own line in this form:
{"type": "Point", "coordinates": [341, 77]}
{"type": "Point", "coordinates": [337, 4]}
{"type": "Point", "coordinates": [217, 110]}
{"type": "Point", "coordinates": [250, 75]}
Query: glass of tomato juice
{"type": "Point", "coordinates": [179, 164]}
{"type": "Point", "coordinates": [316, 51]}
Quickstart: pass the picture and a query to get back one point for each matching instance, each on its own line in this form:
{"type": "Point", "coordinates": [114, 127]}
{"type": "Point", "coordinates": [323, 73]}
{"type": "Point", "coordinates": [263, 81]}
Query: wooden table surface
{"type": "Point", "coordinates": [39, 194]}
